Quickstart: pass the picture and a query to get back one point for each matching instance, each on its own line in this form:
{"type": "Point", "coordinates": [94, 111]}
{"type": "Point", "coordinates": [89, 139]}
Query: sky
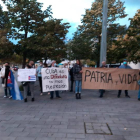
{"type": "Point", "coordinates": [71, 11]}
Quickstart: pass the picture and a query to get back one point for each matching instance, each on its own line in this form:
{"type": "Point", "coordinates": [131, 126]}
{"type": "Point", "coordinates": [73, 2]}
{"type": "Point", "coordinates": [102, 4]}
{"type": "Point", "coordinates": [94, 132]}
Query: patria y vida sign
{"type": "Point", "coordinates": [110, 78]}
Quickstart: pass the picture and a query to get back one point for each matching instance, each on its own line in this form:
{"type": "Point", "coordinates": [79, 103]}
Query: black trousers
{"type": "Point", "coordinates": [72, 81]}
{"type": "Point", "coordinates": [120, 91]}
{"type": "Point", "coordinates": [102, 91]}
{"type": "Point", "coordinates": [40, 83]}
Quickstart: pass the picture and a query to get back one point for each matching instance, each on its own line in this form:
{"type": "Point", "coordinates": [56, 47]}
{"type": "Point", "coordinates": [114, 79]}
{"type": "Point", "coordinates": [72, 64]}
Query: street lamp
{"type": "Point", "coordinates": [103, 48]}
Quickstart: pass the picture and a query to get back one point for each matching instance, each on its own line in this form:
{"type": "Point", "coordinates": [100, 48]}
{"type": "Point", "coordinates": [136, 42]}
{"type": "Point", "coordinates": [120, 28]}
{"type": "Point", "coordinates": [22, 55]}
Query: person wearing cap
{"type": "Point", "coordinates": [124, 66]}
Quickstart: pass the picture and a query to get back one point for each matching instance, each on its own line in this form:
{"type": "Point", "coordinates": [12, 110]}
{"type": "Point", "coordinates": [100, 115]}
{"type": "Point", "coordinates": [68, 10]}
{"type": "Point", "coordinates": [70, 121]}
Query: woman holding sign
{"type": "Point", "coordinates": [77, 71]}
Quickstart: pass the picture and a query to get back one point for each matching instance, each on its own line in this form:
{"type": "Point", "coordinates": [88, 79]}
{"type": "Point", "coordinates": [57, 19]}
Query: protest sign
{"type": "Point", "coordinates": [110, 78]}
{"type": "Point", "coordinates": [54, 79]}
{"type": "Point", "coordinates": [26, 75]}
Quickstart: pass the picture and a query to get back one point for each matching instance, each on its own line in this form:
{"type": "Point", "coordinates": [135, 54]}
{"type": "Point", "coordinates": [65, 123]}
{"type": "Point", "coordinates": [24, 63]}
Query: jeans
{"type": "Point", "coordinates": [78, 86]}
{"type": "Point", "coordinates": [139, 94]}
{"type": "Point", "coordinates": [56, 92]}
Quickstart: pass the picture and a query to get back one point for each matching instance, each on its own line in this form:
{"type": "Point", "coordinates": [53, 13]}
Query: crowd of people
{"type": "Point", "coordinates": [75, 73]}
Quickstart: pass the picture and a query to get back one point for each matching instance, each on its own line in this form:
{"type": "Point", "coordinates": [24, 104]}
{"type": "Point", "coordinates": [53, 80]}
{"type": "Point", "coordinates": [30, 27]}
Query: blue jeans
{"type": "Point", "coordinates": [139, 94]}
{"type": "Point", "coordinates": [78, 86]}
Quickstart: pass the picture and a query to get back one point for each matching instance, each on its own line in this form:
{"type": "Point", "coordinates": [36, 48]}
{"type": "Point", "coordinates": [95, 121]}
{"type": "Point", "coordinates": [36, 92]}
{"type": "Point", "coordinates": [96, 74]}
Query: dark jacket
{"type": "Point", "coordinates": [76, 71]}
{"type": "Point", "coordinates": [71, 74]}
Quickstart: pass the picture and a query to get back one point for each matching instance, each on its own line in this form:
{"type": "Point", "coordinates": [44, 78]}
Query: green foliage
{"type": "Point", "coordinates": [90, 31]}
{"type": "Point", "coordinates": [133, 38]}
{"type": "Point", "coordinates": [40, 35]}
{"type": "Point", "coordinates": [6, 47]}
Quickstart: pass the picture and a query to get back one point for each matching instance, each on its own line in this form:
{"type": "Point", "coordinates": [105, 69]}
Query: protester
{"type": "Point", "coordinates": [71, 79]}
{"type": "Point", "coordinates": [102, 91]}
{"type": "Point", "coordinates": [66, 65]}
{"type": "Point", "coordinates": [56, 92]}
{"type": "Point", "coordinates": [39, 75]}
{"type": "Point", "coordinates": [30, 84]}
{"type": "Point", "coordinates": [77, 71]}
{"type": "Point", "coordinates": [4, 75]}
{"type": "Point", "coordinates": [36, 66]}
{"type": "Point", "coordinates": [9, 82]}
{"type": "Point", "coordinates": [124, 66]}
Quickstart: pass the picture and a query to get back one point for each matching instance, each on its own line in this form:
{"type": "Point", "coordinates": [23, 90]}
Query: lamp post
{"type": "Point", "coordinates": [103, 48]}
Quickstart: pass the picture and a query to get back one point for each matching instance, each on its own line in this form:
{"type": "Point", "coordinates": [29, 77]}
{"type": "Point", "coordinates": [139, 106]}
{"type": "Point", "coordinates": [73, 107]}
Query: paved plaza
{"type": "Point", "coordinates": [90, 118]}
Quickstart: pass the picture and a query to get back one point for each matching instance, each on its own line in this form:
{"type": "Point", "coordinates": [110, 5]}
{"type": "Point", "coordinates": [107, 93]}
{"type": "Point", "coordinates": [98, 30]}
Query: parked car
{"type": "Point", "coordinates": [15, 68]}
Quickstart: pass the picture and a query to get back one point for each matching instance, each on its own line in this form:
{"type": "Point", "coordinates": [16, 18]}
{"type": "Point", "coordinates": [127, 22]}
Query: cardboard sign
{"type": "Point", "coordinates": [54, 79]}
{"type": "Point", "coordinates": [26, 75]}
{"type": "Point", "coordinates": [110, 78]}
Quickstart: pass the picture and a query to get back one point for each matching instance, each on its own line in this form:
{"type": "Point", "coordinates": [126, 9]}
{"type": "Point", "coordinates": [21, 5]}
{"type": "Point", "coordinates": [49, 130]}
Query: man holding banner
{"type": "Point", "coordinates": [124, 66]}
{"type": "Point", "coordinates": [102, 91]}
{"type": "Point", "coordinates": [56, 92]}
{"type": "Point", "coordinates": [54, 79]}
{"type": "Point", "coordinates": [110, 78]}
{"type": "Point", "coordinates": [29, 83]}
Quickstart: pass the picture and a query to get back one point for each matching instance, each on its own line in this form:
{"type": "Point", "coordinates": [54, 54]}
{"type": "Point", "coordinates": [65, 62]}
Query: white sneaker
{"type": "Point", "coordinates": [4, 96]}
{"type": "Point", "coordinates": [10, 97]}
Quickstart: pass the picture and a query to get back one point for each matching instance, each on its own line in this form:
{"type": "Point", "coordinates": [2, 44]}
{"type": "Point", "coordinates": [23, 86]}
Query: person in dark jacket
{"type": "Point", "coordinates": [71, 78]}
{"type": "Point", "coordinates": [4, 75]}
{"type": "Point", "coordinates": [77, 71]}
{"type": "Point", "coordinates": [124, 66]}
{"type": "Point", "coordinates": [102, 91]}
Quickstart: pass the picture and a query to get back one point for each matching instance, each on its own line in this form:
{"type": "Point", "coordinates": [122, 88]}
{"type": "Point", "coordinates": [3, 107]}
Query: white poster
{"type": "Point", "coordinates": [54, 79]}
{"type": "Point", "coordinates": [26, 75]}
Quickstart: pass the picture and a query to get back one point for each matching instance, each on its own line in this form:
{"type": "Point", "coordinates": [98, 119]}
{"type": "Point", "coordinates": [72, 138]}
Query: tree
{"type": "Point", "coordinates": [132, 41]}
{"type": "Point", "coordinates": [76, 47]}
{"type": "Point", "coordinates": [6, 47]}
{"type": "Point", "coordinates": [128, 46]}
{"type": "Point", "coordinates": [24, 17]}
{"type": "Point", "coordinates": [49, 39]}
{"type": "Point", "coordinates": [92, 25]}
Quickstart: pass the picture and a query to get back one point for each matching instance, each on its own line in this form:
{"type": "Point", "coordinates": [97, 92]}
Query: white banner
{"type": "Point", "coordinates": [26, 75]}
{"type": "Point", "coordinates": [54, 79]}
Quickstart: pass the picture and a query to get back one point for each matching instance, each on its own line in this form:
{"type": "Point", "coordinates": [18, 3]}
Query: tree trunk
{"type": "Point", "coordinates": [45, 61]}
{"type": "Point", "coordinates": [98, 63]}
{"type": "Point", "coordinates": [24, 53]}
{"type": "Point", "coordinates": [24, 60]}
